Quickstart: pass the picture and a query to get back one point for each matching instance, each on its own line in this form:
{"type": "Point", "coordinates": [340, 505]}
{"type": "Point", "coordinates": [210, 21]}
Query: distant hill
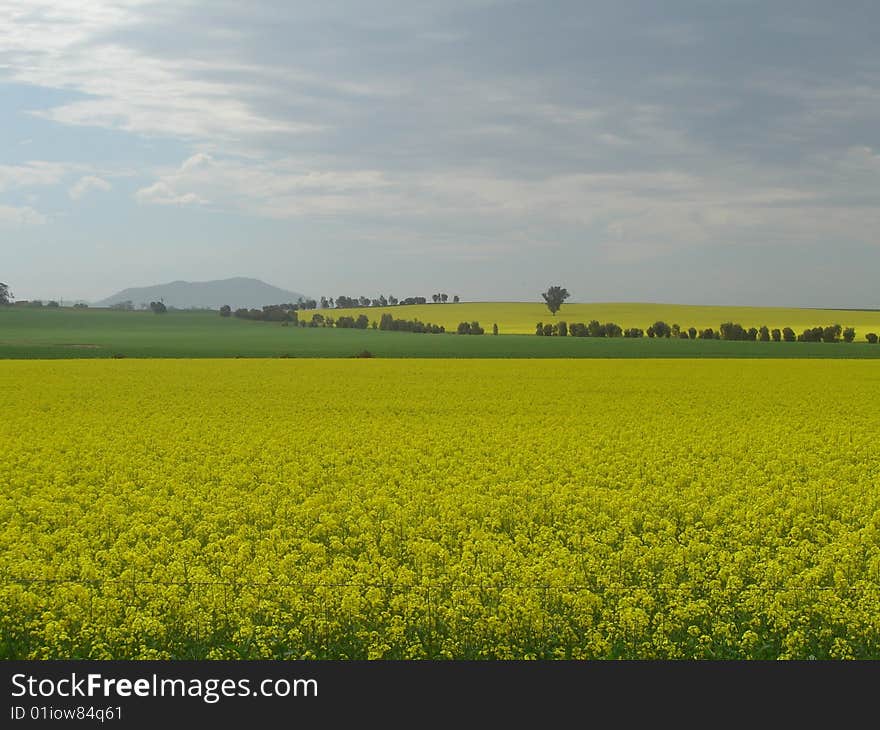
{"type": "Point", "coordinates": [236, 292]}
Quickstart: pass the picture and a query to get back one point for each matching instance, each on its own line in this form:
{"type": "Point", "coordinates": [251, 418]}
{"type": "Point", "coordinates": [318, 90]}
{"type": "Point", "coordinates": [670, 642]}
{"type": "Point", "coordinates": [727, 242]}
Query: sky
{"type": "Point", "coordinates": [723, 152]}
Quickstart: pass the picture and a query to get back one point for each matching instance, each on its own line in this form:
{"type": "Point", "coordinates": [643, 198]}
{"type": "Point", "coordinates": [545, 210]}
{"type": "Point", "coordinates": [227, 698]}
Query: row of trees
{"type": "Point", "coordinates": [34, 303]}
{"type": "Point", "coordinates": [388, 323]}
{"type": "Point", "coordinates": [269, 313]}
{"type": "Point", "coordinates": [727, 331]}
{"type": "Point", "coordinates": [346, 302]}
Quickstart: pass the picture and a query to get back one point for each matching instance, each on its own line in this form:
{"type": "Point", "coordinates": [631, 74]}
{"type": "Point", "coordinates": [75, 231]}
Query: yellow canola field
{"type": "Point", "coordinates": [521, 317]}
{"type": "Point", "coordinates": [458, 509]}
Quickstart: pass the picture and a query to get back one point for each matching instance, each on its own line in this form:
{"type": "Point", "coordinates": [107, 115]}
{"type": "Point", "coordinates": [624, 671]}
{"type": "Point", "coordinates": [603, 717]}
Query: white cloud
{"type": "Point", "coordinates": [88, 184]}
{"type": "Point", "coordinates": [162, 193]}
{"type": "Point", "coordinates": [21, 216]}
{"type": "Point", "coordinates": [65, 45]}
{"type": "Point", "coordinates": [272, 189]}
{"type": "Point", "coordinates": [32, 174]}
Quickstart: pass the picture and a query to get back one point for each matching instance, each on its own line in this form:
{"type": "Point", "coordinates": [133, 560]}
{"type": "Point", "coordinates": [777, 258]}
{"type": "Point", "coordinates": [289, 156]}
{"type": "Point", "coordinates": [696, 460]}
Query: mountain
{"type": "Point", "coordinates": [236, 292]}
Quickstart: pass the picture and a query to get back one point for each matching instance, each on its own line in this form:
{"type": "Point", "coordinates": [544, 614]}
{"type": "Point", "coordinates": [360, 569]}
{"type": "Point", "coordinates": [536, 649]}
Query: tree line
{"type": "Point", "coordinates": [346, 302]}
{"type": "Point", "coordinates": [387, 322]}
{"type": "Point", "coordinates": [726, 331]}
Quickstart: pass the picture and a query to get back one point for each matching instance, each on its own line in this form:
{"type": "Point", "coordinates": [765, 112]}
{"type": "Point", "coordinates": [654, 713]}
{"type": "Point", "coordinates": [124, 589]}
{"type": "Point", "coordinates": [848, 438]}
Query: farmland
{"type": "Point", "coordinates": [520, 317]}
{"type": "Point", "coordinates": [101, 333]}
{"type": "Point", "coordinates": [439, 508]}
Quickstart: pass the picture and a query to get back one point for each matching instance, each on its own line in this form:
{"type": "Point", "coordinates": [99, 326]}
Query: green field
{"type": "Point", "coordinates": [101, 333]}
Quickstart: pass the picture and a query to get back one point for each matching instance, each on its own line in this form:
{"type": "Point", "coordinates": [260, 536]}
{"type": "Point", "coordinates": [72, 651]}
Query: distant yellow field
{"type": "Point", "coordinates": [520, 317]}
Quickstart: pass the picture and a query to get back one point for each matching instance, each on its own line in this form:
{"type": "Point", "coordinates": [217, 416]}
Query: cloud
{"type": "Point", "coordinates": [32, 174]}
{"type": "Point", "coordinates": [162, 193]}
{"type": "Point", "coordinates": [273, 189]}
{"type": "Point", "coordinates": [87, 184]}
{"type": "Point", "coordinates": [472, 130]}
{"type": "Point", "coordinates": [71, 46]}
{"type": "Point", "coordinates": [21, 216]}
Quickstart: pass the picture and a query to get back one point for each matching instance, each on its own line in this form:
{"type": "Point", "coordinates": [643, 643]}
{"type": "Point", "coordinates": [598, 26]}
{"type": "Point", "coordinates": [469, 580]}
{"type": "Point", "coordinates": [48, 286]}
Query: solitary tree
{"type": "Point", "coordinates": [158, 307]}
{"type": "Point", "coordinates": [225, 310]}
{"type": "Point", "coordinates": [455, 299]}
{"type": "Point", "coordinates": [5, 294]}
{"type": "Point", "coordinates": [554, 297]}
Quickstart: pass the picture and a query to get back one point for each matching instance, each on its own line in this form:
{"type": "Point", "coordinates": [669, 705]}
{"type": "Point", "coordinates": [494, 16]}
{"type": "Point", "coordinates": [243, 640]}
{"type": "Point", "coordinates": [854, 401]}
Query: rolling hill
{"type": "Point", "coordinates": [236, 292]}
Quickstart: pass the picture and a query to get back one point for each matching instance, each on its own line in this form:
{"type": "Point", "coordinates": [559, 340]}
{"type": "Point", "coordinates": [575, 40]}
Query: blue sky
{"type": "Point", "coordinates": [694, 152]}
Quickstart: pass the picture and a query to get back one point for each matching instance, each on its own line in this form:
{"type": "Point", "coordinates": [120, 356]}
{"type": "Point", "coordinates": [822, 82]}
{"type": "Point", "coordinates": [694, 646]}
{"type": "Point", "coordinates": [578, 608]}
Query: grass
{"type": "Point", "coordinates": [101, 333]}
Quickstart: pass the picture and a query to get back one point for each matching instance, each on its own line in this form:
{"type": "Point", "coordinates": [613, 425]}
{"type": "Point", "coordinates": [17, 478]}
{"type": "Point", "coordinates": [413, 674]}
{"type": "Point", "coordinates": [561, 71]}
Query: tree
{"type": "Point", "coordinates": [764, 334]}
{"type": "Point", "coordinates": [661, 329]}
{"type": "Point", "coordinates": [562, 328]}
{"type": "Point", "coordinates": [495, 329]}
{"type": "Point", "coordinates": [849, 334]}
{"type": "Point", "coordinates": [455, 299]}
{"type": "Point", "coordinates": [158, 307]}
{"type": "Point", "coordinates": [435, 298]}
{"type": "Point", "coordinates": [5, 295]}
{"type": "Point", "coordinates": [225, 310]}
{"type": "Point", "coordinates": [444, 298]}
{"type": "Point", "coordinates": [832, 333]}
{"type": "Point", "coordinates": [554, 297]}
{"type": "Point", "coordinates": [871, 337]}
{"type": "Point", "coordinates": [776, 334]}
{"type": "Point", "coordinates": [788, 335]}
{"type": "Point", "coordinates": [692, 332]}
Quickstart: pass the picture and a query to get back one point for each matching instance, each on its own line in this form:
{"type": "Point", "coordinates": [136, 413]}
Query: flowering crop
{"type": "Point", "coordinates": [442, 508]}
